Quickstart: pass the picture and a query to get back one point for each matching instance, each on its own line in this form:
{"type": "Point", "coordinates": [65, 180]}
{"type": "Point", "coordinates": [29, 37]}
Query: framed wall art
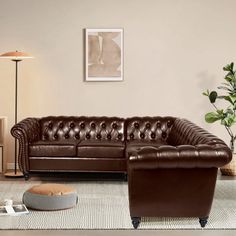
{"type": "Point", "coordinates": [104, 54]}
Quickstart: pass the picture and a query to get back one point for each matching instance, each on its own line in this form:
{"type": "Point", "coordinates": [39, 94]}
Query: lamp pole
{"type": "Point", "coordinates": [16, 57]}
{"type": "Point", "coordinates": [16, 107]}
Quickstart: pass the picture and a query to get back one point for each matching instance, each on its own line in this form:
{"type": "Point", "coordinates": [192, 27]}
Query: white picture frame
{"type": "Point", "coordinates": [104, 54]}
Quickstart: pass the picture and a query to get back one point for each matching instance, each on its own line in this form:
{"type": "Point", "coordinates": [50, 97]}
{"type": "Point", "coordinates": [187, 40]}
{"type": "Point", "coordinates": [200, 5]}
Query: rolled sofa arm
{"type": "Point", "coordinates": [183, 156]}
{"type": "Point", "coordinates": [26, 131]}
{"type": "Point", "coordinates": [189, 147]}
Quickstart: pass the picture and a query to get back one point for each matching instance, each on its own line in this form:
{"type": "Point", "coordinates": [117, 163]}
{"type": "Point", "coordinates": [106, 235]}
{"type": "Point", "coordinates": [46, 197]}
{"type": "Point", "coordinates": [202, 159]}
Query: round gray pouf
{"type": "Point", "coordinates": [50, 197]}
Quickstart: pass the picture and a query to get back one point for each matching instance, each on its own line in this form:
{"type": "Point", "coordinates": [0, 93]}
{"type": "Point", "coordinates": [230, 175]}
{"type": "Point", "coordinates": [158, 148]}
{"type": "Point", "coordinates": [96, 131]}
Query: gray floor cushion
{"type": "Point", "coordinates": [50, 197]}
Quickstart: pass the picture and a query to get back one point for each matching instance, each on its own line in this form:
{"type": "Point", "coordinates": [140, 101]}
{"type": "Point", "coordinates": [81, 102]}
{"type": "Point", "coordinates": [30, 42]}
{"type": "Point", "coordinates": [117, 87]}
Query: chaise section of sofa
{"type": "Point", "coordinates": [176, 179]}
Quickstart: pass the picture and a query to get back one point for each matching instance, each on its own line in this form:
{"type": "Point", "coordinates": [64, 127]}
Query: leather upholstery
{"type": "Point", "coordinates": [149, 128]}
{"type": "Point", "coordinates": [177, 179]}
{"type": "Point", "coordinates": [82, 128]}
{"type": "Point", "coordinates": [105, 143]}
{"type": "Point", "coordinates": [184, 156]}
{"type": "Point", "coordinates": [74, 164]}
{"type": "Point", "coordinates": [167, 192]}
{"type": "Point", "coordinates": [184, 132]}
{"type": "Point", "coordinates": [136, 145]}
{"type": "Point", "coordinates": [53, 149]}
{"type": "Point", "coordinates": [27, 131]}
{"type": "Point", "coordinates": [106, 149]}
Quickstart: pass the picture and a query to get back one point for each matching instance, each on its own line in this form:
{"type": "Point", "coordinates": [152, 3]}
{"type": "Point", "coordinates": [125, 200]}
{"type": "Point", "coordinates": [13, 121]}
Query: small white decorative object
{"type": "Point", "coordinates": [8, 202]}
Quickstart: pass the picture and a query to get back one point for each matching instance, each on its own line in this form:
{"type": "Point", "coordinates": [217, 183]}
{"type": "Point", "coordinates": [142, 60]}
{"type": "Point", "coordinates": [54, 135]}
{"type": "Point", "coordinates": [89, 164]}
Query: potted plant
{"type": "Point", "coordinates": [227, 116]}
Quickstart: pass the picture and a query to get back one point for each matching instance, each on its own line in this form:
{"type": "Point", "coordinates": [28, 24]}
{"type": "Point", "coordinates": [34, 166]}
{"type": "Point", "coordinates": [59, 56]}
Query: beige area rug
{"type": "Point", "coordinates": [104, 205]}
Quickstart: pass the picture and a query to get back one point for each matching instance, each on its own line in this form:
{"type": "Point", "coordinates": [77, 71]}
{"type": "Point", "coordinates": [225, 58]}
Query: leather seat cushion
{"type": "Point", "coordinates": [133, 146]}
{"type": "Point", "coordinates": [103, 149]}
{"type": "Point", "coordinates": [52, 148]}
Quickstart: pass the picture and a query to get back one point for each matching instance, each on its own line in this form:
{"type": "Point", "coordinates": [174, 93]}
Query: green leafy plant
{"type": "Point", "coordinates": [227, 116]}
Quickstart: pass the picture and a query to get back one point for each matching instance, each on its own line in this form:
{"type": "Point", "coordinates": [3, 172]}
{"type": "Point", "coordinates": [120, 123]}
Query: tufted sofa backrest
{"type": "Point", "coordinates": [148, 128]}
{"type": "Point", "coordinates": [81, 128]}
{"type": "Point", "coordinates": [186, 132]}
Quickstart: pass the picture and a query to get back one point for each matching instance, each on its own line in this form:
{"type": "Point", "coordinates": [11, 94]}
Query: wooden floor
{"type": "Point", "coordinates": [91, 177]}
{"type": "Point", "coordinates": [118, 232]}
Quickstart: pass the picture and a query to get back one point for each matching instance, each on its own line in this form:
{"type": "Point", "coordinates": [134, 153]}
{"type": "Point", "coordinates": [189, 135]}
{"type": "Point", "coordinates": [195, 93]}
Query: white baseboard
{"type": "Point", "coordinates": [11, 166]}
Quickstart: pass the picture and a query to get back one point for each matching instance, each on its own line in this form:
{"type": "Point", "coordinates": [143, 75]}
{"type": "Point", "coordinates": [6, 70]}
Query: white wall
{"type": "Point", "coordinates": [174, 49]}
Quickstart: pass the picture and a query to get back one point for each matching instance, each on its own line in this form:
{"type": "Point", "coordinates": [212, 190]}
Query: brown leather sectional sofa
{"type": "Point", "coordinates": [171, 163]}
{"type": "Point", "coordinates": [98, 144]}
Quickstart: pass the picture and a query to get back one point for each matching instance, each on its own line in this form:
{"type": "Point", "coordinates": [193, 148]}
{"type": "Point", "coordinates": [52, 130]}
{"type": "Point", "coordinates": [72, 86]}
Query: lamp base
{"type": "Point", "coordinates": [12, 174]}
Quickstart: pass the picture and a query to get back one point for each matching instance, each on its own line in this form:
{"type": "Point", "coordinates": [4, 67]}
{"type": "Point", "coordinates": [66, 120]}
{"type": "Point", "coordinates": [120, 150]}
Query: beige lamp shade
{"type": "Point", "coordinates": [16, 55]}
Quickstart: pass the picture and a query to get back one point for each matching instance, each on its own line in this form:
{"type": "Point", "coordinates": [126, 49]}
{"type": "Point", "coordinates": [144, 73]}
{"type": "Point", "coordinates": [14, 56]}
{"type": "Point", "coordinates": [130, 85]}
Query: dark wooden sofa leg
{"type": "Point", "coordinates": [203, 221]}
{"type": "Point", "coordinates": [136, 221]}
{"type": "Point", "coordinates": [125, 176]}
{"type": "Point", "coordinates": [26, 176]}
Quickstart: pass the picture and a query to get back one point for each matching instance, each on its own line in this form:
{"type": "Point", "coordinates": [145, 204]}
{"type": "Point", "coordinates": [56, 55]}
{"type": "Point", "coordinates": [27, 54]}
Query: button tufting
{"type": "Point", "coordinates": [142, 135]}
{"type": "Point", "coordinates": [136, 124]}
{"type": "Point", "coordinates": [158, 124]}
{"type": "Point", "coordinates": [88, 136]}
{"type": "Point", "coordinates": [103, 125]}
{"type": "Point", "coordinates": [93, 125]}
{"type": "Point", "coordinates": [131, 136]}
{"type": "Point", "coordinates": [99, 136]}
{"type": "Point", "coordinates": [61, 125]}
{"type": "Point", "coordinates": [168, 123]}
{"type": "Point", "coordinates": [50, 125]}
{"type": "Point", "coordinates": [153, 135]}
{"type": "Point", "coordinates": [148, 125]}
{"type": "Point", "coordinates": [77, 136]}
{"type": "Point", "coordinates": [164, 135]}
{"type": "Point", "coordinates": [72, 125]}
{"type": "Point", "coordinates": [109, 136]}
{"type": "Point", "coordinates": [82, 125]}
{"type": "Point", "coordinates": [119, 136]}
{"type": "Point", "coordinates": [67, 136]}
{"type": "Point", "coordinates": [55, 136]}
{"type": "Point", "coordinates": [114, 125]}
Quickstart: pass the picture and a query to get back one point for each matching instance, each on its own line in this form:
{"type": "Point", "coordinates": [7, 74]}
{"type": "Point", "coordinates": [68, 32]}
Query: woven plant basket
{"type": "Point", "coordinates": [230, 169]}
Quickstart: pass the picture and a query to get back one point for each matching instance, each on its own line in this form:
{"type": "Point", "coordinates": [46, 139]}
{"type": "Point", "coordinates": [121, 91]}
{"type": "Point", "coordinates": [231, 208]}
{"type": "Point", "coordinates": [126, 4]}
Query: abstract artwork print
{"type": "Point", "coordinates": [104, 55]}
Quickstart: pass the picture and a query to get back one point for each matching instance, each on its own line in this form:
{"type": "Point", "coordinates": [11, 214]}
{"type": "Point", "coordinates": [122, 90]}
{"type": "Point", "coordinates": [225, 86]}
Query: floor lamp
{"type": "Point", "coordinates": [16, 57]}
